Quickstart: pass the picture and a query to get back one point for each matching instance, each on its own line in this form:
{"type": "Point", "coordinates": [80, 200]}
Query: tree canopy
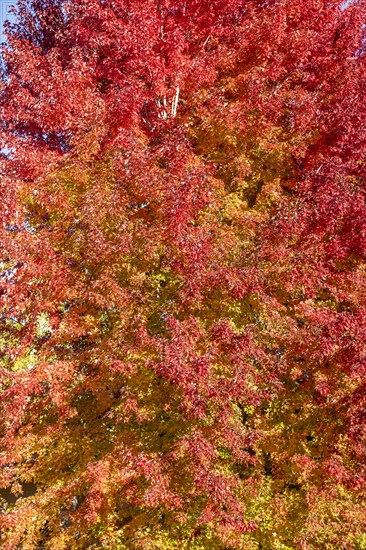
{"type": "Point", "coordinates": [183, 275]}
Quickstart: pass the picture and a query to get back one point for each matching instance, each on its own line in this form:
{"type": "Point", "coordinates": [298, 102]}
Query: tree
{"type": "Point", "coordinates": [183, 275]}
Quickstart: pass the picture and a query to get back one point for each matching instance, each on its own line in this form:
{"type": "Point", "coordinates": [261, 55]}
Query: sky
{"type": "Point", "coordinates": [4, 14]}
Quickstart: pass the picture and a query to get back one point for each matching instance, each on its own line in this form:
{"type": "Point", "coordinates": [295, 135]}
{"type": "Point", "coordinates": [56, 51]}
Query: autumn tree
{"type": "Point", "coordinates": [183, 276]}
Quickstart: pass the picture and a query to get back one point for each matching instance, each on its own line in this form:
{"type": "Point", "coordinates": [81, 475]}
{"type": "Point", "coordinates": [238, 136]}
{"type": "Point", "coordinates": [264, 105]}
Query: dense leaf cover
{"type": "Point", "coordinates": [183, 278]}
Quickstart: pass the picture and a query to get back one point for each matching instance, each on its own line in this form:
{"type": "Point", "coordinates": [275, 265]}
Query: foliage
{"type": "Point", "coordinates": [183, 275]}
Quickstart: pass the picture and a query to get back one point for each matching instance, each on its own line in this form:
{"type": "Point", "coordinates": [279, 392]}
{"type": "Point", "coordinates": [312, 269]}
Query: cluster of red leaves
{"type": "Point", "coordinates": [183, 276]}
